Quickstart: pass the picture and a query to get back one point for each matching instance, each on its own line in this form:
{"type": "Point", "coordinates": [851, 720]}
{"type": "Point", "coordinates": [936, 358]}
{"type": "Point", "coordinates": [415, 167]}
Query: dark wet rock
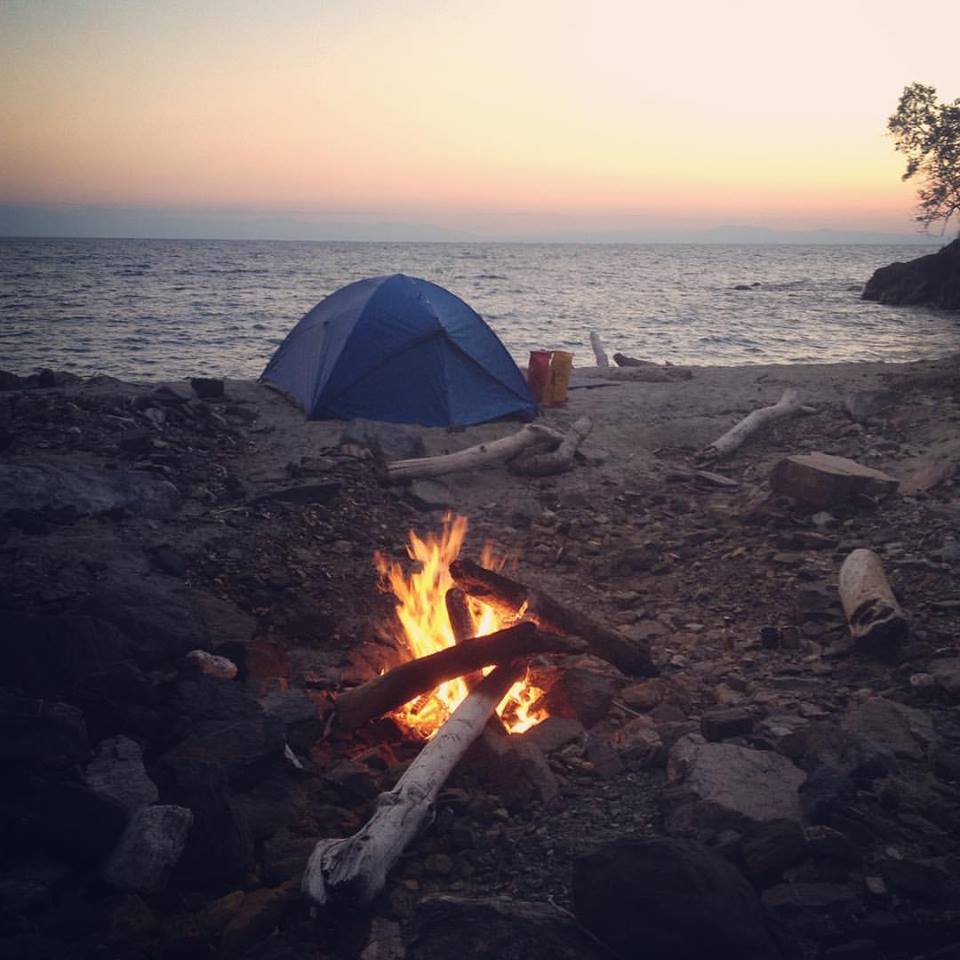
{"type": "Point", "coordinates": [771, 849]}
{"type": "Point", "coordinates": [40, 730]}
{"type": "Point", "coordinates": [285, 857]}
{"type": "Point", "coordinates": [726, 722]}
{"type": "Point", "coordinates": [579, 694]}
{"type": "Point", "coordinates": [716, 786]}
{"type": "Point", "coordinates": [207, 388]}
{"type": "Point", "coordinates": [670, 899]}
{"type": "Point", "coordinates": [906, 731]}
{"type": "Point", "coordinates": [788, 899]}
{"type": "Point", "coordinates": [53, 655]}
{"type": "Point", "coordinates": [149, 849]}
{"type": "Point", "coordinates": [496, 929]}
{"type": "Point", "coordinates": [117, 770]}
{"type": "Point", "coordinates": [253, 921]}
{"type": "Point", "coordinates": [161, 621]}
{"type": "Point", "coordinates": [76, 823]}
{"type": "Point", "coordinates": [219, 848]}
{"type": "Point", "coordinates": [84, 491]}
{"type": "Point", "coordinates": [932, 280]}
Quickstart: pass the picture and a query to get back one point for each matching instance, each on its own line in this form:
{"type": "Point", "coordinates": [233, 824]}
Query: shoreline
{"type": "Point", "coordinates": [240, 528]}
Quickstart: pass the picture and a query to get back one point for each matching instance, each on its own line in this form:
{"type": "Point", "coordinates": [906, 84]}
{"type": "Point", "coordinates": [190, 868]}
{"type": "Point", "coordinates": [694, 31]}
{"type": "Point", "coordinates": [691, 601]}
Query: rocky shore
{"type": "Point", "coordinates": [187, 582]}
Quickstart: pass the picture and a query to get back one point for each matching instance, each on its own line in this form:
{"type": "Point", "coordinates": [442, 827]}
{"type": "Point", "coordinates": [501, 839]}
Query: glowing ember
{"type": "Point", "coordinates": [422, 612]}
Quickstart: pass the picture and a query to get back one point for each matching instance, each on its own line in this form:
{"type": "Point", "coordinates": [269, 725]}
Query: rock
{"type": "Point", "coordinates": [213, 666]}
{"type": "Point", "coordinates": [929, 881]}
{"type": "Point", "coordinates": [669, 900]}
{"type": "Point", "coordinates": [40, 730]}
{"type": "Point", "coordinates": [285, 857]}
{"type": "Point", "coordinates": [117, 770]}
{"type": "Point", "coordinates": [79, 491]}
{"type": "Point", "coordinates": [639, 744]}
{"type": "Point", "coordinates": [553, 733]}
{"type": "Point", "coordinates": [775, 846]}
{"type": "Point", "coordinates": [386, 441]}
{"type": "Point", "coordinates": [946, 675]}
{"type": "Point", "coordinates": [906, 731]}
{"type": "Point", "coordinates": [254, 920]}
{"type": "Point", "coordinates": [932, 280]}
{"type": "Point", "coordinates": [788, 899]}
{"type": "Point", "coordinates": [725, 723]}
{"type": "Point", "coordinates": [429, 494]}
{"type": "Point", "coordinates": [54, 655]}
{"type": "Point", "coordinates": [579, 694]}
{"type": "Point", "coordinates": [514, 769]}
{"type": "Point", "coordinates": [717, 786]}
{"type": "Point", "coordinates": [77, 824]}
{"type": "Point", "coordinates": [651, 693]}
{"type": "Point", "coordinates": [495, 929]}
{"type": "Point", "coordinates": [785, 733]}
{"type": "Point", "coordinates": [822, 480]}
{"type": "Point", "coordinates": [219, 848]}
{"type": "Point", "coordinates": [207, 388]}
{"type": "Point", "coordinates": [867, 404]}
{"type": "Point", "coordinates": [149, 849]}
{"type": "Point", "coordinates": [322, 493]}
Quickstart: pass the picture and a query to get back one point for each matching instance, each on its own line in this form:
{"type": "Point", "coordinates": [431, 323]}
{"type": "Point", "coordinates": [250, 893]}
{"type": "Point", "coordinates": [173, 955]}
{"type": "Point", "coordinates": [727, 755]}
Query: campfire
{"type": "Point", "coordinates": [470, 631]}
{"type": "Point", "coordinates": [434, 615]}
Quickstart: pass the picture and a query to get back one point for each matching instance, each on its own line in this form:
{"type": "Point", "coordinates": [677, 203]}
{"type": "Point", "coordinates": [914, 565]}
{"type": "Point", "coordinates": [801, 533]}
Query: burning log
{"type": "Point", "coordinates": [355, 869]}
{"type": "Point", "coordinates": [877, 623]}
{"type": "Point", "coordinates": [530, 463]}
{"type": "Point", "coordinates": [478, 456]}
{"type": "Point", "coordinates": [461, 623]}
{"type": "Point", "coordinates": [400, 685]}
{"type": "Point", "coordinates": [787, 406]}
{"type": "Point", "coordinates": [516, 599]}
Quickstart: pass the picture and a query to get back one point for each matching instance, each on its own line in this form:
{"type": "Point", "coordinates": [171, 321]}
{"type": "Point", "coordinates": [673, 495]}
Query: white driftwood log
{"type": "Point", "coordinates": [787, 406]}
{"type": "Point", "coordinates": [877, 623]}
{"type": "Point", "coordinates": [602, 359]}
{"type": "Point", "coordinates": [355, 869]}
{"type": "Point", "coordinates": [531, 463]}
{"type": "Point", "coordinates": [478, 456]}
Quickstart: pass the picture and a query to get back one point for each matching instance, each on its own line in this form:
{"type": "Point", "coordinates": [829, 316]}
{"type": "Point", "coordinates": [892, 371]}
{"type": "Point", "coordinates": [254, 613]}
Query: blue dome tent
{"type": "Point", "coordinates": [398, 349]}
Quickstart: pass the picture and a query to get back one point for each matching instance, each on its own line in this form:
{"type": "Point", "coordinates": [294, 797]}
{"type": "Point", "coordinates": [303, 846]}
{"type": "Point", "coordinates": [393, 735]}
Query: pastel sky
{"type": "Point", "coordinates": [474, 115]}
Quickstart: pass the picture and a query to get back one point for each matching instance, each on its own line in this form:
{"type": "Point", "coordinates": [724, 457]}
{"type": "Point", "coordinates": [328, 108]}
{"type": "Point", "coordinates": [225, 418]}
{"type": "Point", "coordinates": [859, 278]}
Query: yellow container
{"type": "Point", "coordinates": [561, 363]}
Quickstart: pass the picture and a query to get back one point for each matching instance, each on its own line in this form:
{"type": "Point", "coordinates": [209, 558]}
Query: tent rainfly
{"type": "Point", "coordinates": [402, 350]}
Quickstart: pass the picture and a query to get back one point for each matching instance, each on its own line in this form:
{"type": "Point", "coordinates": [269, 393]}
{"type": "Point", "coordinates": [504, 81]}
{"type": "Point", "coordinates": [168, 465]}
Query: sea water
{"type": "Point", "coordinates": [166, 309]}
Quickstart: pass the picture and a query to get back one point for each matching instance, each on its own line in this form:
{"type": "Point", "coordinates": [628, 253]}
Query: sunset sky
{"type": "Point", "coordinates": [498, 117]}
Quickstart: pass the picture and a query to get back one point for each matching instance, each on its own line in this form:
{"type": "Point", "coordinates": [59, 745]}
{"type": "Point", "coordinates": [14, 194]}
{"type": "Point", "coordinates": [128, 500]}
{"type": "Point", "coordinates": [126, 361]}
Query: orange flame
{"type": "Point", "coordinates": [422, 612]}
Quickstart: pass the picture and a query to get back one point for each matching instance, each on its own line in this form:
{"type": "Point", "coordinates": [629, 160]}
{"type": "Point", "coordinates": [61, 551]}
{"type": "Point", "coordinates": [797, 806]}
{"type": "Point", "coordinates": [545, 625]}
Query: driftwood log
{"type": "Point", "coordinates": [477, 456]}
{"type": "Point", "coordinates": [787, 406]}
{"type": "Point", "coordinates": [461, 623]}
{"type": "Point", "coordinates": [354, 870]}
{"type": "Point", "coordinates": [877, 623]}
{"type": "Point", "coordinates": [516, 599]}
{"type": "Point", "coordinates": [532, 463]}
{"type": "Point", "coordinates": [402, 684]}
{"type": "Point", "coordinates": [601, 355]}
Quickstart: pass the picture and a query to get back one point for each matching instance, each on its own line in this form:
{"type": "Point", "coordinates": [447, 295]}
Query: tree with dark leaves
{"type": "Point", "coordinates": [927, 132]}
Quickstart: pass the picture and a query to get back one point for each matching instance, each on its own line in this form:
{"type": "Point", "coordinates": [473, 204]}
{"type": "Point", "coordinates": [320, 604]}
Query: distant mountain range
{"type": "Point", "coordinates": [17, 220]}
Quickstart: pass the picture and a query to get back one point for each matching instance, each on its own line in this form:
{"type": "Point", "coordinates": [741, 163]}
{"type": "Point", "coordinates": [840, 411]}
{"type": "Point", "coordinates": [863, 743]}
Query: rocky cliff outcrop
{"type": "Point", "coordinates": [931, 281]}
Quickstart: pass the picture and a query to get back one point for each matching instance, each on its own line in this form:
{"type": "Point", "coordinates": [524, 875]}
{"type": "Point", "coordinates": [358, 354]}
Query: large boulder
{"type": "Point", "coordinates": [932, 281]}
{"type": "Point", "coordinates": [670, 900]}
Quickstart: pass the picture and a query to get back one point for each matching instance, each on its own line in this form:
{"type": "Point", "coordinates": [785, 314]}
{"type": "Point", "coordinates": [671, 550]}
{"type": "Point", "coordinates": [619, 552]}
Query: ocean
{"type": "Point", "coordinates": [170, 309]}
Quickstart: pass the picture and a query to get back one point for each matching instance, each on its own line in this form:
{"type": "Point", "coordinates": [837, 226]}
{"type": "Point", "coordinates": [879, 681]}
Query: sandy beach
{"type": "Point", "coordinates": [141, 522]}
